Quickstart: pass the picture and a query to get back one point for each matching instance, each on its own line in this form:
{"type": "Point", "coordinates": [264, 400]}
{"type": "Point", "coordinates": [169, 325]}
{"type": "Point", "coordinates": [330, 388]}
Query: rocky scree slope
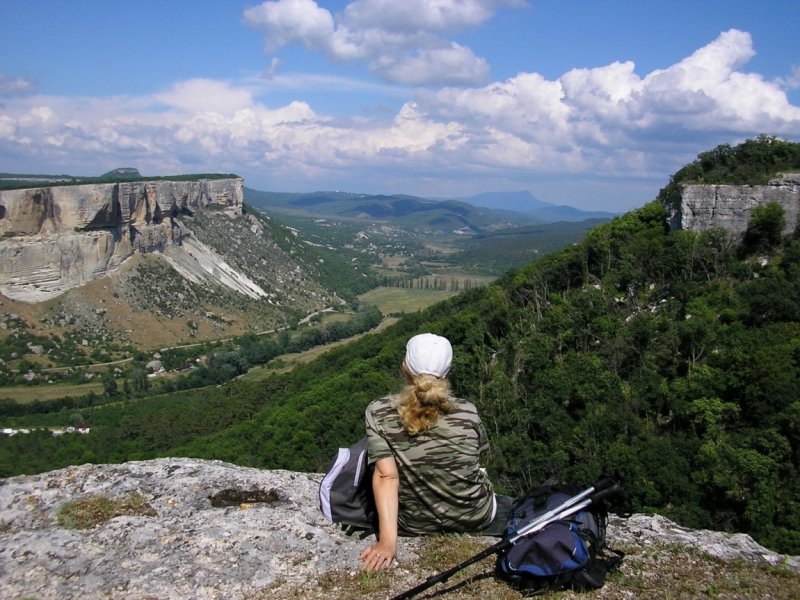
{"type": "Point", "coordinates": [265, 532]}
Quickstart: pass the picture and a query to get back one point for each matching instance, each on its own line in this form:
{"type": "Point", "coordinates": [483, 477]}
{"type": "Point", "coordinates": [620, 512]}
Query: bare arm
{"type": "Point", "coordinates": [385, 486]}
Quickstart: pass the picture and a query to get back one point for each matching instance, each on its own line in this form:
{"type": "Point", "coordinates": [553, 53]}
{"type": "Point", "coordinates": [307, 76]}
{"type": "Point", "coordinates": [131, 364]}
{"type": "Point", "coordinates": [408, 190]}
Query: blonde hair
{"type": "Point", "coordinates": [422, 401]}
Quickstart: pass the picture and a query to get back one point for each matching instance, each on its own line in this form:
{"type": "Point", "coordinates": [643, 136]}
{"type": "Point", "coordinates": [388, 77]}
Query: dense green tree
{"type": "Point", "coordinates": [109, 385]}
{"type": "Point", "coordinates": [139, 381]}
{"type": "Point", "coordinates": [765, 227]}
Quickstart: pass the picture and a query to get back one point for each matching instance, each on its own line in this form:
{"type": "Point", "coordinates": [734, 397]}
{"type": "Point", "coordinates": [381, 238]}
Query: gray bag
{"type": "Point", "coordinates": [345, 494]}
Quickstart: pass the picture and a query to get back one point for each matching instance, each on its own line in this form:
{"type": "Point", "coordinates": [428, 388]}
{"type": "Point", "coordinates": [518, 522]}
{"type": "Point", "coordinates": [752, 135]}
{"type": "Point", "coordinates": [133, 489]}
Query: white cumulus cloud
{"type": "Point", "coordinates": [206, 95]}
{"type": "Point", "coordinates": [606, 122]}
{"type": "Point", "coordinates": [453, 63]}
{"type": "Point", "coordinates": [609, 117]}
{"type": "Point", "coordinates": [400, 39]}
{"type": "Point", "coordinates": [292, 21]}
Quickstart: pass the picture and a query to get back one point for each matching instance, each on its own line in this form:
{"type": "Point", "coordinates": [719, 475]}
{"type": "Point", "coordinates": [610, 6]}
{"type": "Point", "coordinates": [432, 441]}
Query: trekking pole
{"type": "Point", "coordinates": [577, 503]}
{"type": "Point", "coordinates": [565, 509]}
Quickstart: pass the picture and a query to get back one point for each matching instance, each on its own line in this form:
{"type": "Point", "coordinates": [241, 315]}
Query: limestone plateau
{"type": "Point", "coordinates": [266, 530]}
{"type": "Point", "coordinates": [58, 238]}
{"type": "Point", "coordinates": [728, 207]}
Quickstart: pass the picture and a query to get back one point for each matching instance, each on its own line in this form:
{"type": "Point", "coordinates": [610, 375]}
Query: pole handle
{"type": "Point", "coordinates": [605, 493]}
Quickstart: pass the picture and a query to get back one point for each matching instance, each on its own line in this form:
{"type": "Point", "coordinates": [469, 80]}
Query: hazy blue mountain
{"type": "Point", "coordinates": [522, 201]}
{"type": "Point", "coordinates": [447, 217]}
{"type": "Point", "coordinates": [526, 203]}
{"type": "Point", "coordinates": [570, 213]}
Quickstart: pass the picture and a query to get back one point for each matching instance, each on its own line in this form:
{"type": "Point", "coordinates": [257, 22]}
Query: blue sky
{"type": "Point", "coordinates": [591, 104]}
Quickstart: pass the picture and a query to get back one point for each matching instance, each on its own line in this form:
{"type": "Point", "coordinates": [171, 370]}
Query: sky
{"type": "Point", "coordinates": [586, 103]}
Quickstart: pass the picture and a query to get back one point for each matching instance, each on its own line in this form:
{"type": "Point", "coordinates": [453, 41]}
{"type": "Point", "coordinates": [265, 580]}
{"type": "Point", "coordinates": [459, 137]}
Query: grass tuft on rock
{"type": "Point", "coordinates": [95, 510]}
{"type": "Point", "coordinates": [658, 571]}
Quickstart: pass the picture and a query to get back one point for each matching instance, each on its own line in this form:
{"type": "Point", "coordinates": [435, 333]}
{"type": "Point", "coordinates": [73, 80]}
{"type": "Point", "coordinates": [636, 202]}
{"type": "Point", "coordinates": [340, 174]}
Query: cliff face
{"type": "Point", "coordinates": [58, 238]}
{"type": "Point", "coordinates": [728, 207]}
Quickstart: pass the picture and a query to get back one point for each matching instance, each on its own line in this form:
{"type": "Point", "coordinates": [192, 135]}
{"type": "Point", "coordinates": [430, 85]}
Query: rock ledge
{"type": "Point", "coordinates": [193, 550]}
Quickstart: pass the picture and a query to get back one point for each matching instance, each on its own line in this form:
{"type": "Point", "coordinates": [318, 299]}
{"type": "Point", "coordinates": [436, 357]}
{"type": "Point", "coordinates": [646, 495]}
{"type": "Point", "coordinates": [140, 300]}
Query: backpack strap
{"type": "Point", "coordinates": [360, 530]}
{"type": "Point", "coordinates": [593, 576]}
{"type": "Point", "coordinates": [538, 495]}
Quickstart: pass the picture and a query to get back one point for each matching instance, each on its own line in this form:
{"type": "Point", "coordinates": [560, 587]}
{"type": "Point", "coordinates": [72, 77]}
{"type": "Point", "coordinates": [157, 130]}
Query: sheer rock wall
{"type": "Point", "coordinates": [728, 207]}
{"type": "Point", "coordinates": [56, 238]}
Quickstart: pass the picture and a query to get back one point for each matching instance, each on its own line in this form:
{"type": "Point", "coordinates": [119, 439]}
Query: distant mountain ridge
{"type": "Point", "coordinates": [489, 211]}
{"type": "Point", "coordinates": [413, 213]}
{"type": "Point", "coordinates": [526, 203]}
{"type": "Point", "coordinates": [522, 201]}
{"type": "Point", "coordinates": [121, 173]}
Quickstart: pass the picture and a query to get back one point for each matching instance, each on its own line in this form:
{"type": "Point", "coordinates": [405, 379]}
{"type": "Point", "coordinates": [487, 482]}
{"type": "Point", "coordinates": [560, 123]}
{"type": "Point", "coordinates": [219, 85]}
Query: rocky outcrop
{"type": "Point", "coordinates": [653, 530]}
{"type": "Point", "coordinates": [728, 207]}
{"type": "Point", "coordinates": [267, 528]}
{"type": "Point", "coordinates": [214, 530]}
{"type": "Point", "coordinates": [57, 238]}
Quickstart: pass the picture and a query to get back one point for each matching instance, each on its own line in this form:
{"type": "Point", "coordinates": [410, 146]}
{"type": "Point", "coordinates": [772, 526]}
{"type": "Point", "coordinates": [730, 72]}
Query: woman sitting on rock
{"type": "Point", "coordinates": [425, 446]}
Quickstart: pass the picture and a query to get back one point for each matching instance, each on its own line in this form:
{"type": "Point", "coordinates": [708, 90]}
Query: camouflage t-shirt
{"type": "Point", "coordinates": [442, 488]}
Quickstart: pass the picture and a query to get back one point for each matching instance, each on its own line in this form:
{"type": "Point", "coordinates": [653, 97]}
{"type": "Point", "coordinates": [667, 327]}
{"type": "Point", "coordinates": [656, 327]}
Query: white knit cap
{"type": "Point", "coordinates": [429, 353]}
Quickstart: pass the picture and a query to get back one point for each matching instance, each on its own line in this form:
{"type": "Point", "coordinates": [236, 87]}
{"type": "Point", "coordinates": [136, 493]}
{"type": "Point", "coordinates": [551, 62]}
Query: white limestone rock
{"type": "Point", "coordinates": [729, 207]}
{"type": "Point", "coordinates": [54, 239]}
{"type": "Point", "coordinates": [36, 268]}
{"type": "Point", "coordinates": [190, 550]}
{"type": "Point", "coordinates": [255, 226]}
{"type": "Point", "coordinates": [646, 530]}
{"type": "Point", "coordinates": [194, 550]}
{"type": "Point", "coordinates": [55, 210]}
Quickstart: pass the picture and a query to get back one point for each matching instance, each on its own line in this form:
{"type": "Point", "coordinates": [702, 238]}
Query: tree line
{"type": "Point", "coordinates": [442, 284]}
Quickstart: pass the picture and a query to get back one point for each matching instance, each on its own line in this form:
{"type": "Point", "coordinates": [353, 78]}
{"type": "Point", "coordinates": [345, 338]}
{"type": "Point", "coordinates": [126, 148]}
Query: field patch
{"type": "Point", "coordinates": [25, 394]}
{"type": "Point", "coordinates": [399, 300]}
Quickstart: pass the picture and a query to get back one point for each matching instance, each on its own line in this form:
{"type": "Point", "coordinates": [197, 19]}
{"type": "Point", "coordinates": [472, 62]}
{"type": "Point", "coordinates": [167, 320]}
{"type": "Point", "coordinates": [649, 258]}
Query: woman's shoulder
{"type": "Point", "coordinates": [381, 415]}
{"type": "Point", "coordinates": [464, 411]}
{"type": "Point", "coordinates": [380, 406]}
{"type": "Point", "coordinates": [464, 406]}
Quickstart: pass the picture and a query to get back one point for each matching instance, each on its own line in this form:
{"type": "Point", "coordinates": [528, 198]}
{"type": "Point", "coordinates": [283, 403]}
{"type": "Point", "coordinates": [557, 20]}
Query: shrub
{"type": "Point", "coordinates": [96, 510]}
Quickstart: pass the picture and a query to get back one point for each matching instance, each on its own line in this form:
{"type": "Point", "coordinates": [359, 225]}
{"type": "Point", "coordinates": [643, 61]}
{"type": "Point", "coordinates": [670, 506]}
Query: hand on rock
{"type": "Point", "coordinates": [378, 556]}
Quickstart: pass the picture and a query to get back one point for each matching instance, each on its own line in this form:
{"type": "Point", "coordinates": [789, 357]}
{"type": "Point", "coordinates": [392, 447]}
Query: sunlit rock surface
{"type": "Point", "coordinates": [198, 263]}
{"type": "Point", "coordinates": [190, 550]}
{"type": "Point", "coordinates": [57, 238]}
{"type": "Point", "coordinates": [269, 530]}
{"type": "Point", "coordinates": [729, 207]}
{"type": "Point", "coordinates": [648, 530]}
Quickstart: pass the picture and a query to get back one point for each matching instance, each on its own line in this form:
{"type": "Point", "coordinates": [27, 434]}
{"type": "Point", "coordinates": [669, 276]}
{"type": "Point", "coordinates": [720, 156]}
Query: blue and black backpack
{"type": "Point", "coordinates": [566, 554]}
